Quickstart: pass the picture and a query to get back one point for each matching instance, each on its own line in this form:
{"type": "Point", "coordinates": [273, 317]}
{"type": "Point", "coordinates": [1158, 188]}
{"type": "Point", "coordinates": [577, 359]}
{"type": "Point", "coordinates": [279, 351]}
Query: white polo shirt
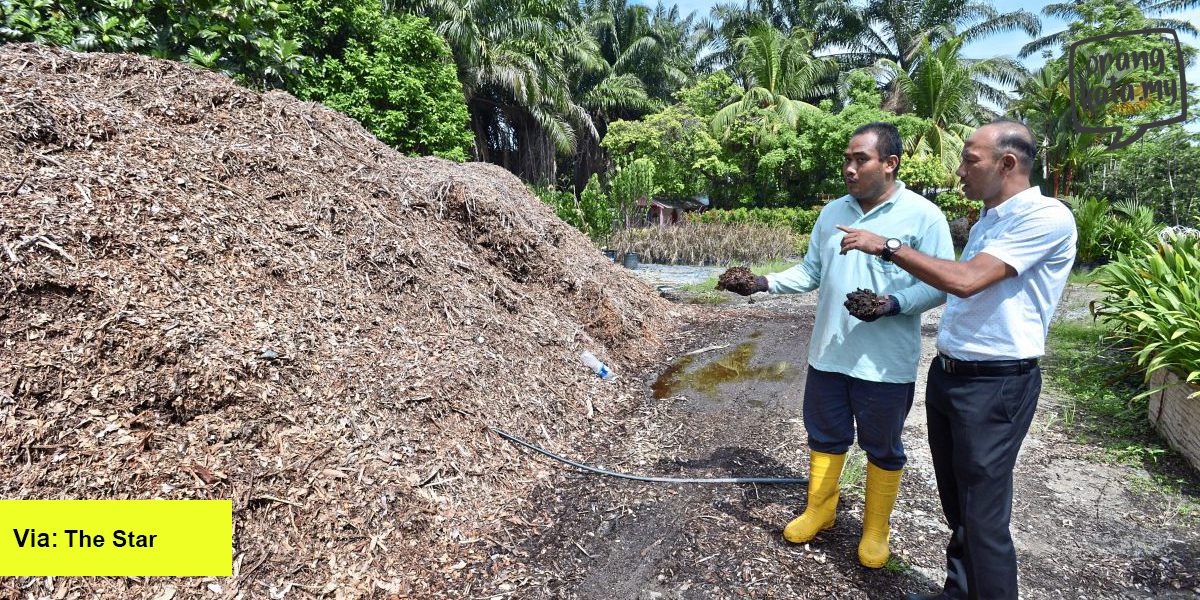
{"type": "Point", "coordinates": [1035, 235]}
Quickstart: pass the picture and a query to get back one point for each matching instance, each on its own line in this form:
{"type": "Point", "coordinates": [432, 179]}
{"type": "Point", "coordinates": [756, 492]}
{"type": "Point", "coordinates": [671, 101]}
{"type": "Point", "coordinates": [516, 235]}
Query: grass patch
{"type": "Point", "coordinates": [710, 297]}
{"type": "Point", "coordinates": [1083, 277]}
{"type": "Point", "coordinates": [1085, 363]}
{"type": "Point", "coordinates": [1174, 492]}
{"type": "Point", "coordinates": [854, 472]}
{"type": "Point", "coordinates": [1080, 362]}
{"type": "Point", "coordinates": [763, 269]}
{"type": "Point", "coordinates": [896, 566]}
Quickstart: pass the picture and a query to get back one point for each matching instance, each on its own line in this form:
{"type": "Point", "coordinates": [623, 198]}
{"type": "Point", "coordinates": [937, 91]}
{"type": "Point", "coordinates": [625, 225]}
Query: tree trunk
{"type": "Point", "coordinates": [1171, 182]}
{"type": "Point", "coordinates": [479, 127]}
{"type": "Point", "coordinates": [590, 158]}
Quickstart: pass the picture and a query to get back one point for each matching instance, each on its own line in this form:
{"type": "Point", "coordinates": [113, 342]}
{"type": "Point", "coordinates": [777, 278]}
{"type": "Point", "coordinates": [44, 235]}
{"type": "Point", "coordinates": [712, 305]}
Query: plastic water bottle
{"type": "Point", "coordinates": [594, 364]}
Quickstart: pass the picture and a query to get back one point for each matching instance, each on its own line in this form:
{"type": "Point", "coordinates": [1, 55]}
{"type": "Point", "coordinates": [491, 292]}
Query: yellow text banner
{"type": "Point", "coordinates": [116, 537]}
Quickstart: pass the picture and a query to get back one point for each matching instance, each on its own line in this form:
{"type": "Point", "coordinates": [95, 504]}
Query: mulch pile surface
{"type": "Point", "coordinates": [211, 293]}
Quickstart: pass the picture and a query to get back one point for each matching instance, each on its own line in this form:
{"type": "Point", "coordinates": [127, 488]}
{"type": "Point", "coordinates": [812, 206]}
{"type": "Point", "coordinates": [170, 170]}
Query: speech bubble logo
{"type": "Point", "coordinates": [1093, 94]}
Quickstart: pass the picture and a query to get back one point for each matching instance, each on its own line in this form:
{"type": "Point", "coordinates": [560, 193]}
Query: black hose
{"type": "Point", "coordinates": [770, 480]}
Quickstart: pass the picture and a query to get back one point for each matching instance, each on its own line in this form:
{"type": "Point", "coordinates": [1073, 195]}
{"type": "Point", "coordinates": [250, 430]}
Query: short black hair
{"type": "Point", "coordinates": [1017, 138]}
{"type": "Point", "coordinates": [887, 140]}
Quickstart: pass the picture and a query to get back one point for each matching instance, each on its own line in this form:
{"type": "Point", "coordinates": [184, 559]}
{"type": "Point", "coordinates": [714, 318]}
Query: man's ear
{"type": "Point", "coordinates": [893, 161]}
{"type": "Point", "coordinates": [1008, 162]}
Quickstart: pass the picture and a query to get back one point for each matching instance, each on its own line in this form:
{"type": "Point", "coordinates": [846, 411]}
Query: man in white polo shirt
{"type": "Point", "coordinates": [983, 386]}
{"type": "Point", "coordinates": [862, 372]}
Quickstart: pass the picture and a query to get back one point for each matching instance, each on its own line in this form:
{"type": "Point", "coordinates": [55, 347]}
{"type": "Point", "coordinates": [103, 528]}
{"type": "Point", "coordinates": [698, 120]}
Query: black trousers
{"type": "Point", "coordinates": [976, 426]}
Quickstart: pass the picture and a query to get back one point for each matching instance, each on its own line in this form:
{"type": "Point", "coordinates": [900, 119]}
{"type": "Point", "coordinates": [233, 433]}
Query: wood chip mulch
{"type": "Point", "coordinates": [211, 293]}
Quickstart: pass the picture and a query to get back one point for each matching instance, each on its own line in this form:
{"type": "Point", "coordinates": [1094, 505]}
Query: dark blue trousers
{"type": "Point", "coordinates": [976, 426]}
{"type": "Point", "coordinates": [834, 403]}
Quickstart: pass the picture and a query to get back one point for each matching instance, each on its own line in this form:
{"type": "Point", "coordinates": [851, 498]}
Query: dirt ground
{"type": "Point", "coordinates": [1082, 527]}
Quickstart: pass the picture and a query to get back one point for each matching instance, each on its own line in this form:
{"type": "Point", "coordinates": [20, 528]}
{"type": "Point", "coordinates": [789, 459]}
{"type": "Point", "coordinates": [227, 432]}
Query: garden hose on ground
{"type": "Point", "coordinates": [770, 480]}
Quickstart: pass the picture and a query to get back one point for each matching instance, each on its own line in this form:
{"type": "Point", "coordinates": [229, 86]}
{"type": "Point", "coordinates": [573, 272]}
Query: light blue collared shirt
{"type": "Point", "coordinates": [1035, 235]}
{"type": "Point", "coordinates": [887, 349]}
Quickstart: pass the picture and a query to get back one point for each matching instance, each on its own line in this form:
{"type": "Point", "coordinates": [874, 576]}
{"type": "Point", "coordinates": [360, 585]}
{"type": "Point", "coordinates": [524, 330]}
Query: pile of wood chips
{"type": "Point", "coordinates": [211, 293]}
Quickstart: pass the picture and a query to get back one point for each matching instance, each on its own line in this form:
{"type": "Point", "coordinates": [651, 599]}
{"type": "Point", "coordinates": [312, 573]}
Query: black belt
{"type": "Point", "coordinates": [986, 367]}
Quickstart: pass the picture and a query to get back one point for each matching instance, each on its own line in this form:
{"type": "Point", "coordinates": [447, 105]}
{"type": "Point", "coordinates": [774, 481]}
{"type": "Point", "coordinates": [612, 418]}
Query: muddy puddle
{"type": "Point", "coordinates": [734, 366]}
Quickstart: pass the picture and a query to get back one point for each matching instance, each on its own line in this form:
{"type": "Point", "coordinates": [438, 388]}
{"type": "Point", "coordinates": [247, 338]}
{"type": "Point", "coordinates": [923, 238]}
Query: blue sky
{"type": "Point", "coordinates": [1007, 43]}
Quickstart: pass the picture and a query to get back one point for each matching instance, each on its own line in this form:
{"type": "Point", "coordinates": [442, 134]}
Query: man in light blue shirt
{"type": "Point", "coordinates": [862, 371]}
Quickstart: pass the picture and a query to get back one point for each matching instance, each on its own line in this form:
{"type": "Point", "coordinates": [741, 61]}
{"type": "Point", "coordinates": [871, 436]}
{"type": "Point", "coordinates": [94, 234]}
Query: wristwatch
{"type": "Point", "coordinates": [889, 248]}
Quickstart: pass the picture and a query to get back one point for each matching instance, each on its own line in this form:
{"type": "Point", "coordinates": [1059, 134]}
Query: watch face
{"type": "Point", "coordinates": [893, 244]}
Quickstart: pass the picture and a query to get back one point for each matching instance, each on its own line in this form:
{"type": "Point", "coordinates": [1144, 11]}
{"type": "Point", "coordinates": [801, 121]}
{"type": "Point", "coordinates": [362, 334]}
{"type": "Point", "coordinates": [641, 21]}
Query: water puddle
{"type": "Point", "coordinates": [731, 367]}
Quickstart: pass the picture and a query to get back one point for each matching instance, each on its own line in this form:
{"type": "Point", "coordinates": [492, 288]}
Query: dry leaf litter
{"type": "Point", "coordinates": [213, 293]}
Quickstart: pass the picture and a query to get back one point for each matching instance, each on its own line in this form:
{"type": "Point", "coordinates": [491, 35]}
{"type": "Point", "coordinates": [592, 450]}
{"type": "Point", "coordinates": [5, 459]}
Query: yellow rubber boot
{"type": "Point", "coordinates": [823, 472]}
{"type": "Point", "coordinates": [882, 487]}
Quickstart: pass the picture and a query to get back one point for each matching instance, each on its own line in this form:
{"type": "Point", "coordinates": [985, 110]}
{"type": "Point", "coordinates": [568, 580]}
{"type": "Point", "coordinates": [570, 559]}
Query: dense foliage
{"type": "Point", "coordinates": [1152, 296]}
{"type": "Point", "coordinates": [243, 38]}
{"type": "Point", "coordinates": [393, 74]}
{"type": "Point", "coordinates": [1105, 232]}
{"type": "Point", "coordinates": [797, 220]}
{"type": "Point", "coordinates": [750, 107]}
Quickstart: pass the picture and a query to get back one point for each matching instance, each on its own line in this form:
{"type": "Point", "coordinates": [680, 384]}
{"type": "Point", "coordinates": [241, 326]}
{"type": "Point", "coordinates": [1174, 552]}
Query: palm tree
{"type": "Point", "coordinates": [1045, 105]}
{"type": "Point", "coordinates": [1074, 10]}
{"type": "Point", "coordinates": [509, 57]}
{"type": "Point", "coordinates": [650, 44]}
{"type": "Point", "coordinates": [732, 21]}
{"type": "Point", "coordinates": [895, 31]}
{"type": "Point", "coordinates": [685, 39]}
{"type": "Point", "coordinates": [626, 61]}
{"type": "Point", "coordinates": [780, 74]}
{"type": "Point", "coordinates": [946, 88]}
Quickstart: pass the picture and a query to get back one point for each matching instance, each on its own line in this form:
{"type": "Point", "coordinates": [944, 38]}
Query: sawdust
{"type": "Point", "coordinates": [208, 292]}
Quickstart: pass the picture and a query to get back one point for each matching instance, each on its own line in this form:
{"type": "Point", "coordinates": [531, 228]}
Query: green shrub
{"type": "Point", "coordinates": [956, 206]}
{"type": "Point", "coordinates": [35, 21]}
{"type": "Point", "coordinates": [598, 214]}
{"type": "Point", "coordinates": [1093, 221]}
{"type": "Point", "coordinates": [1152, 297]}
{"type": "Point", "coordinates": [1105, 232]}
{"type": "Point", "coordinates": [395, 76]}
{"type": "Point", "coordinates": [564, 204]}
{"type": "Point", "coordinates": [800, 221]}
{"type": "Point", "coordinates": [1127, 233]}
{"type": "Point", "coordinates": [242, 38]}
{"type": "Point", "coordinates": [590, 213]}
{"type": "Point", "coordinates": [707, 243]}
{"type": "Point", "coordinates": [921, 173]}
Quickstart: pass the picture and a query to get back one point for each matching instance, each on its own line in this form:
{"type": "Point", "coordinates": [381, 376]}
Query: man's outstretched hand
{"type": "Point", "coordinates": [867, 306]}
{"type": "Point", "coordinates": [861, 239]}
{"type": "Point", "coordinates": [741, 280]}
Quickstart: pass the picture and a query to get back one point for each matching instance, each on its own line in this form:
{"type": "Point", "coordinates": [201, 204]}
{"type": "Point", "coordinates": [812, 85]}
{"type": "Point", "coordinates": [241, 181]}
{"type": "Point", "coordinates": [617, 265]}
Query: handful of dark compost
{"type": "Point", "coordinates": [863, 303]}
